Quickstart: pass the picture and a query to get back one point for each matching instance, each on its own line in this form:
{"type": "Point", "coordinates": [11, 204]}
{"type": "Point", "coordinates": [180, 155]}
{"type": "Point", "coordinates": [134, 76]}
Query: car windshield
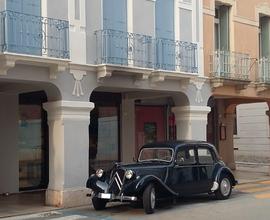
{"type": "Point", "coordinates": [156, 154]}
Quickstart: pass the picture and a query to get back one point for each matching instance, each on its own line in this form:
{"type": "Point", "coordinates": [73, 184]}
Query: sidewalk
{"type": "Point", "coordinates": [251, 173]}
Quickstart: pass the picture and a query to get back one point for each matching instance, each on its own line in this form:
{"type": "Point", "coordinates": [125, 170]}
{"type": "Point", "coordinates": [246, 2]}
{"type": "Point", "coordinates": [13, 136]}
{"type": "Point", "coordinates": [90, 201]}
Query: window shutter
{"type": "Point", "coordinates": [165, 19]}
{"type": "Point", "coordinates": [165, 30]}
{"type": "Point", "coordinates": [115, 18]}
{"type": "Point", "coordinates": [24, 32]}
{"type": "Point", "coordinates": [115, 15]}
{"type": "Point", "coordinates": [224, 28]}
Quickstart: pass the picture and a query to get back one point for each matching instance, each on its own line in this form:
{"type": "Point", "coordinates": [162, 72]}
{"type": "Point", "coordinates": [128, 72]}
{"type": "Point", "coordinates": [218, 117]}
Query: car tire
{"type": "Point", "coordinates": [149, 199]}
{"type": "Point", "coordinates": [225, 188]}
{"type": "Point", "coordinates": [99, 204]}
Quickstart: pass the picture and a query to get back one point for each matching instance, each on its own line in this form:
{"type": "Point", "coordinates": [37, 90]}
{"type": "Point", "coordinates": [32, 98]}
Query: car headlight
{"type": "Point", "coordinates": [99, 173]}
{"type": "Point", "coordinates": [129, 174]}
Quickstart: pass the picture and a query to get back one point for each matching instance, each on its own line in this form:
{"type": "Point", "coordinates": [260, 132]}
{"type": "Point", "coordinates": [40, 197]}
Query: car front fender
{"type": "Point", "coordinates": [96, 184]}
{"type": "Point", "coordinates": [146, 180]}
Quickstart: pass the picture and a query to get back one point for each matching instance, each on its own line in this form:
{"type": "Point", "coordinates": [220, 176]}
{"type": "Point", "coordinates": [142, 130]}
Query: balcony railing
{"type": "Point", "coordinates": [33, 35]}
{"type": "Point", "coordinates": [131, 49]}
{"type": "Point", "coordinates": [230, 65]}
{"type": "Point", "coordinates": [264, 70]}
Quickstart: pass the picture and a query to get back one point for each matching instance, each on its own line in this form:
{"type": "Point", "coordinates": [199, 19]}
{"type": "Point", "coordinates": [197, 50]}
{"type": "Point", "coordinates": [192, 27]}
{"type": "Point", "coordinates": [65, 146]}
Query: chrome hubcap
{"type": "Point", "coordinates": [225, 187]}
{"type": "Point", "coordinates": [153, 198]}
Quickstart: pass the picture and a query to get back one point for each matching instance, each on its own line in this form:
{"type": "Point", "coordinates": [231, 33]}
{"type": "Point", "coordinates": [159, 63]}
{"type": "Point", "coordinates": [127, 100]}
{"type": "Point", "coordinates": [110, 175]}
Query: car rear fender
{"type": "Point", "coordinates": [225, 171]}
{"type": "Point", "coordinates": [151, 179]}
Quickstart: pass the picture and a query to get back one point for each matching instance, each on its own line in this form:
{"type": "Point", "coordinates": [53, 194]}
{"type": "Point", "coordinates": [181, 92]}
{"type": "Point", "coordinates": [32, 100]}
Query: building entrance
{"type": "Point", "coordinates": [150, 125]}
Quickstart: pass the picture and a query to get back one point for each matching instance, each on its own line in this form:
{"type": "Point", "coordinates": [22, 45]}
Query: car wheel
{"type": "Point", "coordinates": [99, 204]}
{"type": "Point", "coordinates": [225, 188]}
{"type": "Point", "coordinates": [149, 199]}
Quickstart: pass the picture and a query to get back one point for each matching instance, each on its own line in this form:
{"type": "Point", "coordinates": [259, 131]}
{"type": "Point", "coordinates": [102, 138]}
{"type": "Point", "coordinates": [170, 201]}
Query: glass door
{"type": "Point", "coordinates": [33, 156]}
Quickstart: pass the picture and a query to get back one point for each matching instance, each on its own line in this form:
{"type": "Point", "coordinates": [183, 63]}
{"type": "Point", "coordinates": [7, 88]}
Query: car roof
{"type": "Point", "coordinates": [174, 144]}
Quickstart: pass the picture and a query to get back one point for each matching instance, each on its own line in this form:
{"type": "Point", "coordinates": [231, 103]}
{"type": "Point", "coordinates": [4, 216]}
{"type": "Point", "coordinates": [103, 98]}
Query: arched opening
{"type": "Point", "coordinates": [24, 147]}
{"type": "Point", "coordinates": [239, 128]}
{"type": "Point", "coordinates": [125, 119]}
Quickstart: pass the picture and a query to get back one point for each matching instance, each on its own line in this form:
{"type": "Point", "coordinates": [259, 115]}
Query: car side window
{"type": "Point", "coordinates": [205, 156]}
{"type": "Point", "coordinates": [185, 157]}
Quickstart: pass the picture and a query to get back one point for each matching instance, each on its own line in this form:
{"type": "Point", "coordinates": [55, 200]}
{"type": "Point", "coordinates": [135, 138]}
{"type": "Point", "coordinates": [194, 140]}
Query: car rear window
{"type": "Point", "coordinates": [205, 156]}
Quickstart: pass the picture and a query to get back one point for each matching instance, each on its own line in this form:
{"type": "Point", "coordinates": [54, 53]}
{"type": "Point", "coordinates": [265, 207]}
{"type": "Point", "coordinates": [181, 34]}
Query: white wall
{"type": "Point", "coordinates": [9, 165]}
{"type": "Point", "coordinates": [253, 135]}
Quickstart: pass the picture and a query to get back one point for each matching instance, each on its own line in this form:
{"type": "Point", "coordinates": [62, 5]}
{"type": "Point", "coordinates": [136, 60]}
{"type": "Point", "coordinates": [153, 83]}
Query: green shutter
{"type": "Point", "coordinates": [265, 36]}
{"type": "Point", "coordinates": [224, 28]}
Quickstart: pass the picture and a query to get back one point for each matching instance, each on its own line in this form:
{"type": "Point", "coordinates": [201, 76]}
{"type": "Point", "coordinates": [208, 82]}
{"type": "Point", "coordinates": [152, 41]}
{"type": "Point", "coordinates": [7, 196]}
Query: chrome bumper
{"type": "Point", "coordinates": [121, 198]}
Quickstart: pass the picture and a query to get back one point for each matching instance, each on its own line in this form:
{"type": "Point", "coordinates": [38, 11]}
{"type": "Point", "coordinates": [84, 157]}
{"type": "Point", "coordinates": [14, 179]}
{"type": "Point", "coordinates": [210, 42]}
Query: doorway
{"type": "Point", "coordinates": [150, 125]}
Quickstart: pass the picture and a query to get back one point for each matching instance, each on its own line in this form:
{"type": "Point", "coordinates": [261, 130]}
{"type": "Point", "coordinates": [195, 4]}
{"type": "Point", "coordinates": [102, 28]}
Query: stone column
{"type": "Point", "coordinates": [191, 122]}
{"type": "Point", "coordinates": [68, 152]}
{"type": "Point", "coordinates": [226, 146]}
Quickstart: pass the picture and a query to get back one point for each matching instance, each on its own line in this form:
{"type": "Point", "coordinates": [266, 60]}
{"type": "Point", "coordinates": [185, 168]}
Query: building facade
{"type": "Point", "coordinates": [85, 83]}
{"type": "Point", "coordinates": [236, 48]}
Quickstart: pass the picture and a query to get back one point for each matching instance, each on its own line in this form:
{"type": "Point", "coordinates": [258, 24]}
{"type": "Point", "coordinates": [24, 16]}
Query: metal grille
{"type": "Point", "coordinates": [117, 181]}
{"type": "Point", "coordinates": [34, 35]}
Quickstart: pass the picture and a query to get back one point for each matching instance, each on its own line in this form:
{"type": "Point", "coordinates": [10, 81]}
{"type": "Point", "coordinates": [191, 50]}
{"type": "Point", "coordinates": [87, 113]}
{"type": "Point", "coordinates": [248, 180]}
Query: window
{"type": "Point", "coordinates": [205, 156]}
{"type": "Point", "coordinates": [77, 9]}
{"type": "Point", "coordinates": [222, 28]}
{"type": "Point", "coordinates": [185, 157]}
{"type": "Point", "coordinates": [264, 37]}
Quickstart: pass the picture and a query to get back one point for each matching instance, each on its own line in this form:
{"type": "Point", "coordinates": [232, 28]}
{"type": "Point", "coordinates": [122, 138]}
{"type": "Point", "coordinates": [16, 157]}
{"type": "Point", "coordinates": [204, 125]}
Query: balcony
{"type": "Point", "coordinates": [264, 71]}
{"type": "Point", "coordinates": [142, 51]}
{"type": "Point", "coordinates": [33, 35]}
{"type": "Point", "coordinates": [230, 68]}
{"type": "Point", "coordinates": [263, 75]}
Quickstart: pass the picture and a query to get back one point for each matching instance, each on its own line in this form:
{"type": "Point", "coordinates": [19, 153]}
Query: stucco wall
{"type": "Point", "coordinates": [9, 165]}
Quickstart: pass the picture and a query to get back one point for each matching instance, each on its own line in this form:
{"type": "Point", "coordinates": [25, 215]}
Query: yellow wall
{"type": "Point", "coordinates": [244, 30]}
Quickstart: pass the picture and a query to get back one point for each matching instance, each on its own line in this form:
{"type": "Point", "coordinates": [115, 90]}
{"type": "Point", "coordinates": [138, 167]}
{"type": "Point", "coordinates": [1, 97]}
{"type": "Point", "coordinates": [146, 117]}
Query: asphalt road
{"type": "Point", "coordinates": [248, 201]}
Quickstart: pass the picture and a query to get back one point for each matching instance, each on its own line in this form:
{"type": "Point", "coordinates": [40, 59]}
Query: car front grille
{"type": "Point", "coordinates": [116, 181]}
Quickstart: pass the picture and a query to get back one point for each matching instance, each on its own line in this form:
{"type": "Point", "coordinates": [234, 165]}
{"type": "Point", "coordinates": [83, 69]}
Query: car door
{"type": "Point", "coordinates": [206, 161]}
{"type": "Point", "coordinates": [184, 175]}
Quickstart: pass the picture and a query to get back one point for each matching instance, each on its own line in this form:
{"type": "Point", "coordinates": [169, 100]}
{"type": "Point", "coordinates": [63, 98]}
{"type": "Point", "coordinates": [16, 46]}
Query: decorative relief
{"type": "Point", "coordinates": [198, 85]}
{"type": "Point", "coordinates": [78, 76]}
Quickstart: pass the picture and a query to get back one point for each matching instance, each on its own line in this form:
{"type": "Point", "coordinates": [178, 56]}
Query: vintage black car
{"type": "Point", "coordinates": [164, 170]}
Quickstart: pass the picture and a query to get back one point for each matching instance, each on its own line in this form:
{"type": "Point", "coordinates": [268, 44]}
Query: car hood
{"type": "Point", "coordinates": [152, 168]}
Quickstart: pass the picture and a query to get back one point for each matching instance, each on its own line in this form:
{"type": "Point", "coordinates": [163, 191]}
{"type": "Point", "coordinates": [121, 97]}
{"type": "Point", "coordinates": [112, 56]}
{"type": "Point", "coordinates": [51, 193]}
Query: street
{"type": "Point", "coordinates": [248, 201]}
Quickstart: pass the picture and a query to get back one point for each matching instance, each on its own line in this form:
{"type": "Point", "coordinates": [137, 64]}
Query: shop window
{"type": "Point", "coordinates": [32, 142]}
{"type": "Point", "coordinates": [104, 131]}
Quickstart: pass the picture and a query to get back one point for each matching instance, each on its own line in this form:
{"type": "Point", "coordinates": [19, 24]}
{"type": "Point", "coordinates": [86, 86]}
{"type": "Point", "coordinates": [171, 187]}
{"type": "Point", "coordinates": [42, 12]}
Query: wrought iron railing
{"type": "Point", "coordinates": [176, 55]}
{"type": "Point", "coordinates": [264, 70]}
{"type": "Point", "coordinates": [131, 49]}
{"type": "Point", "coordinates": [230, 65]}
{"type": "Point", "coordinates": [33, 35]}
{"type": "Point", "coordinates": [118, 47]}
